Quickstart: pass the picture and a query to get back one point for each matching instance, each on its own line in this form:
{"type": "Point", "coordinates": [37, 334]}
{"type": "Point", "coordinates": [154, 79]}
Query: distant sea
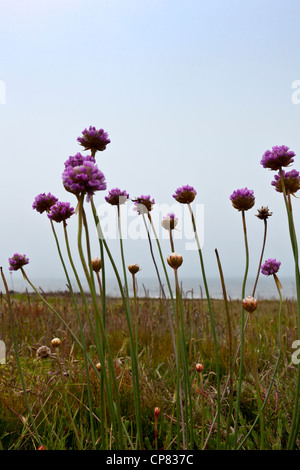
{"type": "Point", "coordinates": [191, 287]}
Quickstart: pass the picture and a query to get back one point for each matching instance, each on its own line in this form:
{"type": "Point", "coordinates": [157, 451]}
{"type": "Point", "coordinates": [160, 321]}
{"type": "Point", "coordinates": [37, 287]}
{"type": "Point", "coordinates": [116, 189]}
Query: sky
{"type": "Point", "coordinates": [190, 92]}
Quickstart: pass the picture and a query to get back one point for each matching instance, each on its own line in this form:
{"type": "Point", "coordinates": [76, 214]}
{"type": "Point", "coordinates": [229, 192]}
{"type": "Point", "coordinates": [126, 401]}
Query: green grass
{"type": "Point", "coordinates": [56, 386]}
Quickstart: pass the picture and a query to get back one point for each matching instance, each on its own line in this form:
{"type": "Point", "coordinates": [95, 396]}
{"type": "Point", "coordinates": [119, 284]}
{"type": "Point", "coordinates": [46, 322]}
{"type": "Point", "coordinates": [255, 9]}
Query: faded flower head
{"type": "Point", "coordinates": [43, 202]}
{"type": "Point", "coordinates": [175, 260]}
{"type": "Point", "coordinates": [242, 199]}
{"type": "Point", "coordinates": [278, 157]}
{"type": "Point", "coordinates": [249, 304]}
{"type": "Point", "coordinates": [143, 204]}
{"type": "Point", "coordinates": [134, 268]}
{"type": "Point", "coordinates": [17, 261]}
{"type": "Point", "coordinates": [116, 197]}
{"type": "Point", "coordinates": [185, 195]}
{"type": "Point", "coordinates": [43, 352]}
{"type": "Point", "coordinates": [271, 266]}
{"type": "Point", "coordinates": [169, 222]}
{"type": "Point", "coordinates": [96, 264]}
{"type": "Point", "coordinates": [82, 176]}
{"type": "Point", "coordinates": [61, 211]}
{"type": "Point", "coordinates": [94, 139]}
{"type": "Point", "coordinates": [263, 213]}
{"type": "Point", "coordinates": [291, 181]}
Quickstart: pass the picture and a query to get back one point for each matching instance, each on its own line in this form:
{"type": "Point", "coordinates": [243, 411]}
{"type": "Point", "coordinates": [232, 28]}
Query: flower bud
{"type": "Point", "coordinates": [249, 304]}
{"type": "Point", "coordinates": [134, 268]}
{"type": "Point", "coordinates": [156, 411]}
{"type": "Point", "coordinates": [96, 264]}
{"type": "Point", "coordinates": [175, 260]}
{"type": "Point", "coordinates": [98, 366]}
{"type": "Point", "coordinates": [199, 368]}
{"type": "Point", "coordinates": [55, 342]}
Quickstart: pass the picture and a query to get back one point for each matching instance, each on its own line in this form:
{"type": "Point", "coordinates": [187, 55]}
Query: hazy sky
{"type": "Point", "coordinates": [190, 92]}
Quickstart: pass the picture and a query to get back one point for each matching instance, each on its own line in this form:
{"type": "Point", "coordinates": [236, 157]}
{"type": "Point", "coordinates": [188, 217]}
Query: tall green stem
{"type": "Point", "coordinates": [133, 349]}
{"type": "Point", "coordinates": [278, 286]}
{"type": "Point", "coordinates": [296, 415]}
{"type": "Point", "coordinates": [80, 324]}
{"type": "Point", "coordinates": [237, 408]}
{"type": "Point", "coordinates": [211, 321]}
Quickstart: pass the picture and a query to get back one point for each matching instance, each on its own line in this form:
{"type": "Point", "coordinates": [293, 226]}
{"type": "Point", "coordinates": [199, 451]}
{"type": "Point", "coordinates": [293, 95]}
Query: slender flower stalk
{"type": "Point", "coordinates": [111, 384]}
{"type": "Point", "coordinates": [282, 156]}
{"type": "Point", "coordinates": [242, 333]}
{"type": "Point", "coordinates": [269, 268]}
{"type": "Point", "coordinates": [68, 213]}
{"type": "Point", "coordinates": [128, 319]}
{"type": "Point", "coordinates": [185, 195]}
{"type": "Point", "coordinates": [134, 269]}
{"type": "Point", "coordinates": [242, 200]}
{"type": "Point", "coordinates": [175, 261]}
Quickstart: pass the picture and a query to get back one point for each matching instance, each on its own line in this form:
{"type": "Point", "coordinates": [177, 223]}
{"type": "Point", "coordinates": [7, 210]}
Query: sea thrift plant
{"type": "Point", "coordinates": [93, 139]}
{"type": "Point", "coordinates": [263, 213]}
{"type": "Point", "coordinates": [143, 204]}
{"type": "Point", "coordinates": [291, 181]}
{"type": "Point", "coordinates": [43, 202]}
{"type": "Point", "coordinates": [116, 197]}
{"type": "Point", "coordinates": [175, 260]}
{"type": "Point", "coordinates": [270, 266]}
{"type": "Point", "coordinates": [134, 268]}
{"type": "Point", "coordinates": [242, 199]}
{"type": "Point", "coordinates": [60, 212]}
{"type": "Point", "coordinates": [249, 304]}
{"type": "Point", "coordinates": [85, 178]}
{"type": "Point", "coordinates": [185, 194]}
{"type": "Point", "coordinates": [96, 264]}
{"type": "Point", "coordinates": [17, 261]}
{"type": "Point", "coordinates": [169, 222]}
{"type": "Point", "coordinates": [278, 157]}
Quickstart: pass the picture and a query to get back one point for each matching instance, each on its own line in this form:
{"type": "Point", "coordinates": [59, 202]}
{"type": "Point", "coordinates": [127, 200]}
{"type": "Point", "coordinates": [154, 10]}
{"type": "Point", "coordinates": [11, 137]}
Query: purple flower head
{"type": "Point", "coordinates": [271, 266]}
{"type": "Point", "coordinates": [291, 181]}
{"type": "Point", "coordinates": [17, 261]}
{"type": "Point", "coordinates": [116, 197]}
{"type": "Point", "coordinates": [78, 160]}
{"type": "Point", "coordinates": [44, 202]}
{"type": "Point", "coordinates": [169, 222]}
{"type": "Point", "coordinates": [94, 139]}
{"type": "Point", "coordinates": [143, 204]}
{"type": "Point", "coordinates": [61, 211]}
{"type": "Point", "coordinates": [242, 199]}
{"type": "Point", "coordinates": [278, 157]}
{"type": "Point", "coordinates": [185, 195]}
{"type": "Point", "coordinates": [84, 178]}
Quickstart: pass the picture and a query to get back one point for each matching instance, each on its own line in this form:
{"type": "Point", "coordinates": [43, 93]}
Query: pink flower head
{"type": "Point", "coordinates": [278, 157]}
{"type": "Point", "coordinates": [17, 261]}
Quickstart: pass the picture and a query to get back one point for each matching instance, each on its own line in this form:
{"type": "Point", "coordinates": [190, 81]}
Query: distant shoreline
{"type": "Point", "coordinates": [149, 287]}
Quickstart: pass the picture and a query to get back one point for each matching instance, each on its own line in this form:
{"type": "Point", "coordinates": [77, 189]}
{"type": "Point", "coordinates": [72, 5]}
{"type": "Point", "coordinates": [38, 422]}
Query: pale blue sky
{"type": "Point", "coordinates": [190, 92]}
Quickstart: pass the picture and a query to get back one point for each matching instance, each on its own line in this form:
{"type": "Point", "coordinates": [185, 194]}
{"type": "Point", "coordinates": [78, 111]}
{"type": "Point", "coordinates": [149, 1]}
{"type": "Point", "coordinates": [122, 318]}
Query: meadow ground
{"type": "Point", "coordinates": [56, 385]}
